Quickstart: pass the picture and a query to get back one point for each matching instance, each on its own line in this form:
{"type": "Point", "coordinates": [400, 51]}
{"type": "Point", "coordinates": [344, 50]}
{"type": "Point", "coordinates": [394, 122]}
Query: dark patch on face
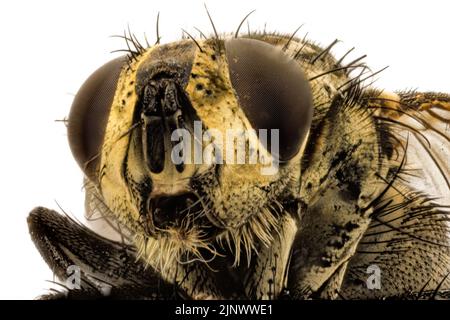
{"type": "Point", "coordinates": [325, 262]}
{"type": "Point", "coordinates": [341, 234]}
{"type": "Point", "coordinates": [170, 60]}
{"type": "Point", "coordinates": [350, 226]}
{"type": "Point", "coordinates": [348, 176]}
{"type": "Point", "coordinates": [350, 183]}
{"type": "Point", "coordinates": [339, 243]}
{"type": "Point", "coordinates": [162, 105]}
{"type": "Point", "coordinates": [339, 158]}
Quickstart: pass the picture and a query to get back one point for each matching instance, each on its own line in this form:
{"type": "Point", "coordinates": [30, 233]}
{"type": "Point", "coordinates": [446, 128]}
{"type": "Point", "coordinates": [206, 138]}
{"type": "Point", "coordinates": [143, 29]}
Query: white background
{"type": "Point", "coordinates": [48, 48]}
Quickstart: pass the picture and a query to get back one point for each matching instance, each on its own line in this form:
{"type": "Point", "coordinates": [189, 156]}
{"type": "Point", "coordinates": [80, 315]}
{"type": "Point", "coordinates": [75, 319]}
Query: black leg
{"type": "Point", "coordinates": [63, 242]}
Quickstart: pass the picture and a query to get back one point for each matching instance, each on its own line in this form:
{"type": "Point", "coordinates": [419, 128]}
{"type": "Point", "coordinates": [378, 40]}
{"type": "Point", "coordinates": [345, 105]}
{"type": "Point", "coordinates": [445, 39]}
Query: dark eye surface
{"type": "Point", "coordinates": [89, 115]}
{"type": "Point", "coordinates": [272, 90]}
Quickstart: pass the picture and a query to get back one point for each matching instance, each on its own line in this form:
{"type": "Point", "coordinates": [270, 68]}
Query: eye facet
{"type": "Point", "coordinates": [272, 90]}
{"type": "Point", "coordinates": [89, 115]}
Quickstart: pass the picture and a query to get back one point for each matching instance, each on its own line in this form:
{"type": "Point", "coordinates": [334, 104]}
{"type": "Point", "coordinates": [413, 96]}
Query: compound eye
{"type": "Point", "coordinates": [272, 91]}
{"type": "Point", "coordinates": [89, 115]}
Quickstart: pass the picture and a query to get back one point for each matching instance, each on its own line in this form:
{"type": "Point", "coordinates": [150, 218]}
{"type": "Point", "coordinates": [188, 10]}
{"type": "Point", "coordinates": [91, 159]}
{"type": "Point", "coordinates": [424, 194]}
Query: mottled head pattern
{"type": "Point", "coordinates": [177, 210]}
{"type": "Point", "coordinates": [175, 141]}
{"type": "Point", "coordinates": [178, 213]}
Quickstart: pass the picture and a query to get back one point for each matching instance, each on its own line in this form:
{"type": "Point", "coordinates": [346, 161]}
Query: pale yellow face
{"type": "Point", "coordinates": [236, 195]}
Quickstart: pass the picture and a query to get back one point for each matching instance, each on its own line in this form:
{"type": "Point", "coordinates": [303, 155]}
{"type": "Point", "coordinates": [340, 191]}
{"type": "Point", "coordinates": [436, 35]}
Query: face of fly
{"type": "Point", "coordinates": [191, 142]}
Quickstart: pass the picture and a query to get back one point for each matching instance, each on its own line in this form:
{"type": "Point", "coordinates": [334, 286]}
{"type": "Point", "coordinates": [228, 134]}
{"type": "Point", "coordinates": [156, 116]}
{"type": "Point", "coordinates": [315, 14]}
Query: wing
{"type": "Point", "coordinates": [417, 126]}
{"type": "Point", "coordinates": [428, 152]}
{"type": "Point", "coordinates": [409, 236]}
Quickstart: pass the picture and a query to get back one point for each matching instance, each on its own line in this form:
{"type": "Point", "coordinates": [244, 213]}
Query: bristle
{"type": "Point", "coordinates": [240, 24]}
{"type": "Point", "coordinates": [158, 38]}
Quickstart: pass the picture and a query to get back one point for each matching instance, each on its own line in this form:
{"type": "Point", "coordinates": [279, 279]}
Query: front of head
{"type": "Point", "coordinates": [191, 144]}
